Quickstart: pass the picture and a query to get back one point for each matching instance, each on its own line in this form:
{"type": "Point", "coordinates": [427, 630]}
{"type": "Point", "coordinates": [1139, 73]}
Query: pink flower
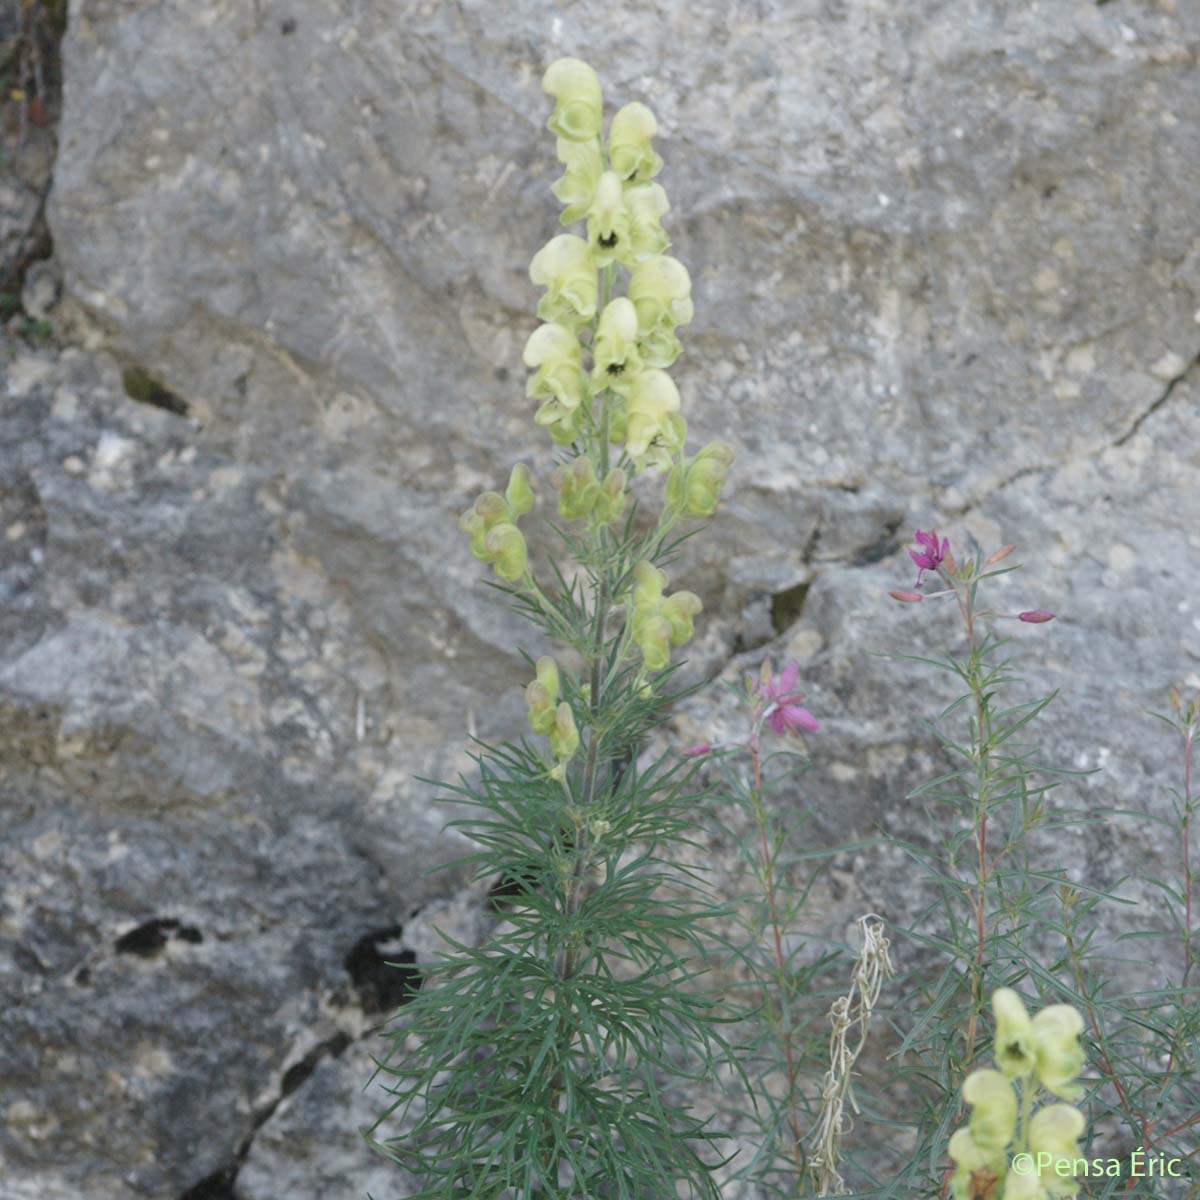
{"type": "Point", "coordinates": [932, 555]}
{"type": "Point", "coordinates": [783, 713]}
{"type": "Point", "coordinates": [1036, 616]}
{"type": "Point", "coordinates": [697, 751]}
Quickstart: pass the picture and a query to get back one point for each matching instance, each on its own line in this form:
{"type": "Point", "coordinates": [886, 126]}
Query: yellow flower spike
{"type": "Point", "coordinates": [564, 737]}
{"type": "Point", "coordinates": [542, 696]}
{"type": "Point", "coordinates": [629, 143]}
{"type": "Point", "coordinates": [653, 399]}
{"type": "Point", "coordinates": [610, 504]}
{"type": "Point", "coordinates": [578, 490]}
{"type": "Point", "coordinates": [993, 1101]}
{"type": "Point", "coordinates": [1055, 1130]}
{"type": "Point", "coordinates": [563, 266]}
{"type": "Point", "coordinates": [554, 353]}
{"type": "Point", "coordinates": [614, 351]}
{"type": "Point", "coordinates": [578, 107]}
{"type": "Point", "coordinates": [519, 494]}
{"type": "Point", "coordinates": [608, 222]}
{"type": "Point", "coordinates": [583, 164]}
{"type": "Point", "coordinates": [646, 205]}
{"type": "Point", "coordinates": [1014, 1049]}
{"type": "Point", "coordinates": [506, 550]}
{"type": "Point", "coordinates": [679, 609]}
{"type": "Point", "coordinates": [974, 1168]}
{"type": "Point", "coordinates": [1059, 1056]}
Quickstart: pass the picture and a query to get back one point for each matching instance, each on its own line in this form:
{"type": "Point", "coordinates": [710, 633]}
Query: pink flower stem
{"type": "Point", "coordinates": [777, 934]}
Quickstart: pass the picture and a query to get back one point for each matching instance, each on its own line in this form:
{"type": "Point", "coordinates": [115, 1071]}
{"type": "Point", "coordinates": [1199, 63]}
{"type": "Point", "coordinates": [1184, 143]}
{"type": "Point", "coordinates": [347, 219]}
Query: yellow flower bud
{"type": "Point", "coordinates": [1056, 1130]}
{"type": "Point", "coordinates": [614, 351]}
{"type": "Point", "coordinates": [577, 489]}
{"type": "Point", "coordinates": [519, 494]}
{"type": "Point", "coordinates": [1059, 1055]}
{"type": "Point", "coordinates": [608, 222]}
{"type": "Point", "coordinates": [564, 737]}
{"type": "Point", "coordinates": [564, 267]}
{"type": "Point", "coordinates": [610, 504]}
{"type": "Point", "coordinates": [694, 489]}
{"type": "Point", "coordinates": [1014, 1046]}
{"type": "Point", "coordinates": [506, 551]}
{"type": "Point", "coordinates": [578, 107]}
{"type": "Point", "coordinates": [646, 205]}
{"type": "Point", "coordinates": [629, 143]}
{"type": "Point", "coordinates": [993, 1102]}
{"type": "Point", "coordinates": [576, 187]}
{"type": "Point", "coordinates": [542, 696]}
{"type": "Point", "coordinates": [659, 622]}
{"type": "Point", "coordinates": [679, 609]}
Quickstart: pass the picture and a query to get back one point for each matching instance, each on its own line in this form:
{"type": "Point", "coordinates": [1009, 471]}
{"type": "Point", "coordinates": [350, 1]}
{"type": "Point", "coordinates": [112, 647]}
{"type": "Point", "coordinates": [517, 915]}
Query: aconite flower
{"type": "Point", "coordinates": [646, 205]}
{"type": "Point", "coordinates": [661, 291]}
{"type": "Point", "coordinates": [694, 488]}
{"type": "Point", "coordinates": [653, 427]}
{"type": "Point", "coordinates": [564, 736]}
{"type": "Point", "coordinates": [629, 146]}
{"type": "Point", "coordinates": [583, 164]}
{"type": "Point", "coordinates": [1015, 1050]}
{"type": "Point", "coordinates": [554, 351]}
{"type": "Point", "coordinates": [608, 221]}
{"type": "Point", "coordinates": [578, 489]}
{"type": "Point", "coordinates": [1055, 1131]}
{"type": "Point", "coordinates": [615, 351]}
{"type": "Point", "coordinates": [659, 621]}
{"type": "Point", "coordinates": [492, 524]}
{"type": "Point", "coordinates": [578, 106]}
{"type": "Point", "coordinates": [993, 1102]}
{"type": "Point", "coordinates": [974, 1168]}
{"type": "Point", "coordinates": [541, 696]}
{"type": "Point", "coordinates": [564, 267]}
{"type": "Point", "coordinates": [1059, 1055]}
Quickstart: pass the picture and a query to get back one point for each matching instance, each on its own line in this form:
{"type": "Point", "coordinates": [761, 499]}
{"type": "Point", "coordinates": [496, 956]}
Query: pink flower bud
{"type": "Point", "coordinates": [907, 597]}
{"type": "Point", "coordinates": [1035, 617]}
{"type": "Point", "coordinates": [997, 555]}
{"type": "Point", "coordinates": [697, 751]}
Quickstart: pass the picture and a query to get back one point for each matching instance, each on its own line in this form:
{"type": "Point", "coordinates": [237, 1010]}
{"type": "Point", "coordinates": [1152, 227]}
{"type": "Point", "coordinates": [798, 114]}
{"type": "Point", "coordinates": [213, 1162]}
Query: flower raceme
{"type": "Point", "coordinates": [932, 554]}
{"type": "Point", "coordinates": [1043, 1051]}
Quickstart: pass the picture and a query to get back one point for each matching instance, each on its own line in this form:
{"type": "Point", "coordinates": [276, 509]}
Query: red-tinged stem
{"type": "Point", "coordinates": [780, 969]}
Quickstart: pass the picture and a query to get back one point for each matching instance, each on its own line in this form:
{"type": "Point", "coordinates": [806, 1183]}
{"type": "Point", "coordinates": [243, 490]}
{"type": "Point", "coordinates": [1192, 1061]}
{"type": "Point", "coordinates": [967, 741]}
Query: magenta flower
{"type": "Point", "coordinates": [1036, 616]}
{"type": "Point", "coordinates": [783, 713]}
{"type": "Point", "coordinates": [931, 556]}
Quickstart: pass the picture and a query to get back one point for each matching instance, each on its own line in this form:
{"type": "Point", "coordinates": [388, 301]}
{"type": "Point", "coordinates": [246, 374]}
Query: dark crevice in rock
{"type": "Point", "coordinates": [884, 547]}
{"type": "Point", "coordinates": [383, 970]}
{"type": "Point", "coordinates": [217, 1186]}
{"type": "Point", "coordinates": [295, 1075]}
{"type": "Point", "coordinates": [222, 1183]}
{"type": "Point", "coordinates": [1153, 408]}
{"type": "Point", "coordinates": [1043, 468]}
{"type": "Point", "coordinates": [148, 939]}
{"type": "Point", "coordinates": [787, 606]}
{"type": "Point", "coordinates": [141, 386]}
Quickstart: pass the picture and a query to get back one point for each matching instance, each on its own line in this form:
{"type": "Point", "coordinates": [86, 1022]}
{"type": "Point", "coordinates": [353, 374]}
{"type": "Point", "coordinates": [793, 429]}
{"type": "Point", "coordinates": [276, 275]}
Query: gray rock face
{"type": "Point", "coordinates": [946, 272]}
